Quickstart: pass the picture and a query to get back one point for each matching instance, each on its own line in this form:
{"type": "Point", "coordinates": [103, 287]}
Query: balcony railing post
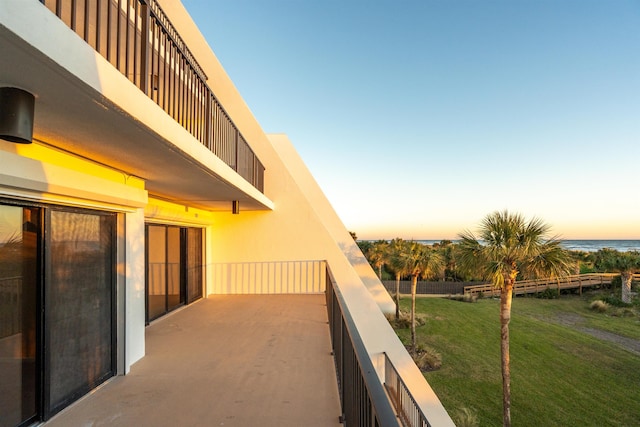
{"type": "Point", "coordinates": [235, 139]}
{"type": "Point", "coordinates": [208, 140]}
{"type": "Point", "coordinates": [145, 49]}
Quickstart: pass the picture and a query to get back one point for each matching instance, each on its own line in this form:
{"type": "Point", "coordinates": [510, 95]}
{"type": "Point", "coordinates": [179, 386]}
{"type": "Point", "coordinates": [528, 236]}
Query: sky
{"type": "Point", "coordinates": [419, 118]}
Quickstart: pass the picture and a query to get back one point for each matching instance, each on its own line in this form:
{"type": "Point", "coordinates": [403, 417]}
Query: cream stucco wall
{"type": "Point", "coordinates": [302, 226]}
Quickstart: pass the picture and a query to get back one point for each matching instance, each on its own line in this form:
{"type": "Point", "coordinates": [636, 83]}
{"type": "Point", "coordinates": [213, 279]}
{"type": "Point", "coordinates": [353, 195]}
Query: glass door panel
{"type": "Point", "coordinates": [175, 296]}
{"type": "Point", "coordinates": [194, 264]}
{"type": "Point", "coordinates": [19, 230]}
{"type": "Point", "coordinates": [78, 306]}
{"type": "Point", "coordinates": [156, 271]}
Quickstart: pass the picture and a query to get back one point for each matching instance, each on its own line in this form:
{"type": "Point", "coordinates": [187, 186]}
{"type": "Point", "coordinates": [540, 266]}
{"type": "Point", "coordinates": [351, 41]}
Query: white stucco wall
{"type": "Point", "coordinates": [135, 309]}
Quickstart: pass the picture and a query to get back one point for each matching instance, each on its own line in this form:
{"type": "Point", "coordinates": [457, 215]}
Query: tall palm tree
{"type": "Point", "coordinates": [397, 249]}
{"type": "Point", "coordinates": [507, 247]}
{"type": "Point", "coordinates": [625, 263]}
{"type": "Point", "coordinates": [419, 261]}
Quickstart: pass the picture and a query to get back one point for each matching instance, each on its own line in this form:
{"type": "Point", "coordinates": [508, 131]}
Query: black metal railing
{"type": "Point", "coordinates": [137, 38]}
{"type": "Point", "coordinates": [363, 398]}
{"type": "Point", "coordinates": [408, 410]}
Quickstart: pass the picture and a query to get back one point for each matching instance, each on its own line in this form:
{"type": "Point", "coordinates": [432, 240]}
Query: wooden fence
{"type": "Point", "coordinates": [577, 281]}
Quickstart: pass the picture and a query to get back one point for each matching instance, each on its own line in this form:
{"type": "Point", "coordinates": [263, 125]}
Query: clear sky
{"type": "Point", "coordinates": [419, 118]}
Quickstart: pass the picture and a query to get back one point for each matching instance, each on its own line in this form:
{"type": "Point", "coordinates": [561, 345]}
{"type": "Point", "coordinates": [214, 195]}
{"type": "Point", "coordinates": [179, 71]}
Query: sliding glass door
{"type": "Point", "coordinates": [57, 305]}
{"type": "Point", "coordinates": [174, 268]}
{"type": "Point", "coordinates": [79, 299]}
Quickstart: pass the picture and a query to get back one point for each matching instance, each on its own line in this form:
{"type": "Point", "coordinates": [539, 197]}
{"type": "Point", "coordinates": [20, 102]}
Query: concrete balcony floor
{"type": "Point", "coordinates": [241, 360]}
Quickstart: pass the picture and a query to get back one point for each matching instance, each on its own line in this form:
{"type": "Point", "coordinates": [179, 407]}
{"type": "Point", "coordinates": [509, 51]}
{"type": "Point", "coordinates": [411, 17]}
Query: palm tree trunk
{"type": "Point", "coordinates": [506, 295]}
{"type": "Point", "coordinates": [626, 287]}
{"type": "Point", "coordinates": [414, 283]}
{"type": "Point", "coordinates": [397, 297]}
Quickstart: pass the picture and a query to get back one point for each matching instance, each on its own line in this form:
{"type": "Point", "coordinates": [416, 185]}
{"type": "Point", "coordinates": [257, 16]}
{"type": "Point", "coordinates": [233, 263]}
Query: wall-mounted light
{"type": "Point", "coordinates": [16, 115]}
{"type": "Point", "coordinates": [235, 207]}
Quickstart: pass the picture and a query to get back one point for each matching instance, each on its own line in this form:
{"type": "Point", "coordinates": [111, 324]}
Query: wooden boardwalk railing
{"type": "Point", "coordinates": [521, 287]}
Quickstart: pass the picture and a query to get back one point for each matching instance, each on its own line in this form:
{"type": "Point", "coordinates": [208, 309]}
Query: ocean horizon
{"type": "Point", "coordinates": [583, 245]}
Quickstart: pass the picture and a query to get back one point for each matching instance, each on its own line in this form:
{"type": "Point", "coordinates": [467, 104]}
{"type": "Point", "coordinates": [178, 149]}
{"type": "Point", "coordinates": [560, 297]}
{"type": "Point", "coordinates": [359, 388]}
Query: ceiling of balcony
{"type": "Point", "coordinates": [72, 116]}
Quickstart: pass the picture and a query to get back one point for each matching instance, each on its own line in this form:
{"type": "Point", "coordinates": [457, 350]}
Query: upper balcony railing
{"type": "Point", "coordinates": [137, 38]}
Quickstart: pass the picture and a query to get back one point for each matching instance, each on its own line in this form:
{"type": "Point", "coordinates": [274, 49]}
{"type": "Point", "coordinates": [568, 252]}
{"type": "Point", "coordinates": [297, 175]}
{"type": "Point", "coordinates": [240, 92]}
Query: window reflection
{"type": "Point", "coordinates": [18, 283]}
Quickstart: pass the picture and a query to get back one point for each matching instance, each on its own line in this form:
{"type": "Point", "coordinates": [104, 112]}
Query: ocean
{"type": "Point", "coordinates": [585, 245]}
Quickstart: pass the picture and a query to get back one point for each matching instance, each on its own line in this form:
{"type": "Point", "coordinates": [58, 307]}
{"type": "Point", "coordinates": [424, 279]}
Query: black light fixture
{"type": "Point", "coordinates": [16, 115]}
{"type": "Point", "coordinates": [235, 207]}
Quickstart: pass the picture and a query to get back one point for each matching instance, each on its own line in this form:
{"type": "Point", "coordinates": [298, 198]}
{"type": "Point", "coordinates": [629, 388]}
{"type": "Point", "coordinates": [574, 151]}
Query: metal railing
{"type": "Point", "coordinates": [363, 398]}
{"type": "Point", "coordinates": [269, 277]}
{"type": "Point", "coordinates": [408, 410]}
{"type": "Point", "coordinates": [138, 39]}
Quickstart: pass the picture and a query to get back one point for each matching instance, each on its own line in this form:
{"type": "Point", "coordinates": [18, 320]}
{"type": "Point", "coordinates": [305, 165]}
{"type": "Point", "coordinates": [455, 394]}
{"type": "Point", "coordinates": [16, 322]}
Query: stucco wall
{"type": "Point", "coordinates": [302, 226]}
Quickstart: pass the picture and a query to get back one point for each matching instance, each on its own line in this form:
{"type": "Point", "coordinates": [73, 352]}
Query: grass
{"type": "Point", "coordinates": [560, 375]}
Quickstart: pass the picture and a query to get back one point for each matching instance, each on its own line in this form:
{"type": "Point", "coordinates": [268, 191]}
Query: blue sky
{"type": "Point", "coordinates": [419, 118]}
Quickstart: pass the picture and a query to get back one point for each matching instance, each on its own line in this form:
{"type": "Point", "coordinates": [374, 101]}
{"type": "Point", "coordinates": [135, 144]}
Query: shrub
{"type": "Point", "coordinates": [624, 312]}
{"type": "Point", "coordinates": [404, 322]}
{"type": "Point", "coordinates": [585, 269]}
{"type": "Point", "coordinates": [470, 298]}
{"type": "Point", "coordinates": [615, 301]}
{"type": "Point", "coordinates": [464, 298]}
{"type": "Point", "coordinates": [548, 293]}
{"type": "Point", "coordinates": [599, 306]}
{"type": "Point", "coordinates": [427, 358]}
{"type": "Point", "coordinates": [465, 417]}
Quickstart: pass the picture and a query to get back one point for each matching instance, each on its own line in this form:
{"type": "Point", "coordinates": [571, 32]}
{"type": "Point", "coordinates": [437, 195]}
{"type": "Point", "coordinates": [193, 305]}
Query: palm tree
{"type": "Point", "coordinates": [625, 263]}
{"type": "Point", "coordinates": [447, 251]}
{"type": "Point", "coordinates": [508, 247]}
{"type": "Point", "coordinates": [378, 255]}
{"type": "Point", "coordinates": [419, 261]}
{"type": "Point", "coordinates": [397, 249]}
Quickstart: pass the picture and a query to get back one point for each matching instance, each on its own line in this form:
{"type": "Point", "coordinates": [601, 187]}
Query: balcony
{"type": "Point", "coordinates": [138, 39]}
{"type": "Point", "coordinates": [82, 59]}
{"type": "Point", "coordinates": [234, 360]}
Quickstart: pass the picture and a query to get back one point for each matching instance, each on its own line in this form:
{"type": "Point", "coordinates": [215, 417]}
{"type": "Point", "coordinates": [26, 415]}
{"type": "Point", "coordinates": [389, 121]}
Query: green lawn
{"type": "Point", "coordinates": [560, 376]}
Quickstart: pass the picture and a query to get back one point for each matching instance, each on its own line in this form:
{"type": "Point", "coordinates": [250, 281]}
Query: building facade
{"type": "Point", "coordinates": [140, 183]}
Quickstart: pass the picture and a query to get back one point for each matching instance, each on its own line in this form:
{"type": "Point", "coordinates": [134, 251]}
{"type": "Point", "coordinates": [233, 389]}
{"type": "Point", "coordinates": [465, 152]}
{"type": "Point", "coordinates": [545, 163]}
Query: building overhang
{"type": "Point", "coordinates": [85, 107]}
